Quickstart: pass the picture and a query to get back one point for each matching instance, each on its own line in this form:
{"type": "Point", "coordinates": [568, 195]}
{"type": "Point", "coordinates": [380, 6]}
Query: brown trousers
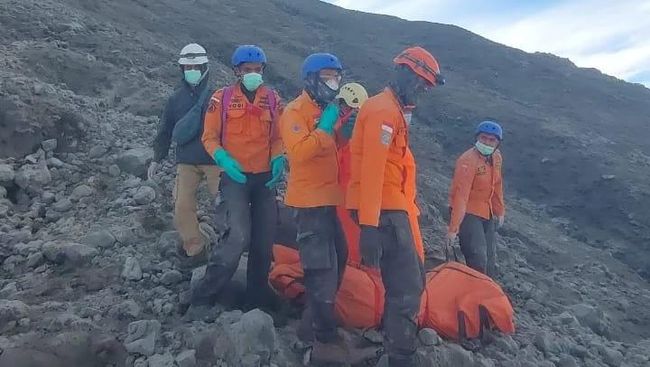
{"type": "Point", "coordinates": [188, 179]}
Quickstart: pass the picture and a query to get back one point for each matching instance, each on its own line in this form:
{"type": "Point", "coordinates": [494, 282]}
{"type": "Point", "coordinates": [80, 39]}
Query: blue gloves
{"type": "Point", "coordinates": [278, 163]}
{"type": "Point", "coordinates": [328, 118]}
{"type": "Point", "coordinates": [229, 165]}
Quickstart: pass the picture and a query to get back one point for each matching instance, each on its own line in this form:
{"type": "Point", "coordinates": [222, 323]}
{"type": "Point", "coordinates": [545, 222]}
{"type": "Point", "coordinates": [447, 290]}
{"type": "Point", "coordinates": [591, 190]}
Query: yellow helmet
{"type": "Point", "coordinates": [354, 94]}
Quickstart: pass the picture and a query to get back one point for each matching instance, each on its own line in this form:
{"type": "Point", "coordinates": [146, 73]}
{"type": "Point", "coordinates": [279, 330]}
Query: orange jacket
{"type": "Point", "coordinates": [313, 164]}
{"type": "Point", "coordinates": [379, 148]}
{"type": "Point", "coordinates": [250, 137]}
{"type": "Point", "coordinates": [477, 188]}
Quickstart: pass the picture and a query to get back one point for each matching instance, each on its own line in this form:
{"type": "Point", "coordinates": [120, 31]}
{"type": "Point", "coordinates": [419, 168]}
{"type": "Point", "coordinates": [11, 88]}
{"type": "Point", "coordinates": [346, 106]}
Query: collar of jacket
{"type": "Point", "coordinates": [196, 90]}
{"type": "Point", "coordinates": [394, 97]}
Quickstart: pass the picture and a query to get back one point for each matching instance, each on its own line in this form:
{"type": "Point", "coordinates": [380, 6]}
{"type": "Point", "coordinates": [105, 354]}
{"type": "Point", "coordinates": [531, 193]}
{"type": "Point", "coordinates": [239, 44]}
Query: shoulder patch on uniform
{"type": "Point", "coordinates": [214, 102]}
{"type": "Point", "coordinates": [386, 133]}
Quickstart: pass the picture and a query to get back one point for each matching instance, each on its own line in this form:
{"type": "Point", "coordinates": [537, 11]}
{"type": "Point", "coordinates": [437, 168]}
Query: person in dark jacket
{"type": "Point", "coordinates": [193, 163]}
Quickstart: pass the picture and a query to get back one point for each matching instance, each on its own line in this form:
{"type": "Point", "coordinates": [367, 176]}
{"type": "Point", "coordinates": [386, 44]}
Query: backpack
{"type": "Point", "coordinates": [227, 97]}
{"type": "Point", "coordinates": [189, 126]}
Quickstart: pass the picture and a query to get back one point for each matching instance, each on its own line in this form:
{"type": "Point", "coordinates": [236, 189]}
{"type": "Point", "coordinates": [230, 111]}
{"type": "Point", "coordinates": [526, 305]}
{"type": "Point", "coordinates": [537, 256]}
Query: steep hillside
{"type": "Point", "coordinates": [93, 75]}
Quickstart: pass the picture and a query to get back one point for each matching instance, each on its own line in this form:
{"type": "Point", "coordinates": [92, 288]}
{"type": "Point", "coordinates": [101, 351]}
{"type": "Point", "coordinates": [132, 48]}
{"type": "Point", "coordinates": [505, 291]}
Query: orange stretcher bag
{"type": "Point", "coordinates": [458, 302]}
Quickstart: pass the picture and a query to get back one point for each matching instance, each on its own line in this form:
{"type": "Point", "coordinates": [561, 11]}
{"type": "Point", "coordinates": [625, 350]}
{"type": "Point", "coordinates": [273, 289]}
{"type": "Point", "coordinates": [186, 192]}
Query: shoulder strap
{"type": "Point", "coordinates": [273, 109]}
{"type": "Point", "coordinates": [225, 102]}
{"type": "Point", "coordinates": [273, 103]}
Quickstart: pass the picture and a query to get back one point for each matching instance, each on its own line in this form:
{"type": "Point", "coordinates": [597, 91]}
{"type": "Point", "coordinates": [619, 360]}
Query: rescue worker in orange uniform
{"type": "Point", "coordinates": [350, 98]}
{"type": "Point", "coordinates": [308, 131]}
{"type": "Point", "coordinates": [241, 133]}
{"type": "Point", "coordinates": [378, 197]}
{"type": "Point", "coordinates": [476, 199]}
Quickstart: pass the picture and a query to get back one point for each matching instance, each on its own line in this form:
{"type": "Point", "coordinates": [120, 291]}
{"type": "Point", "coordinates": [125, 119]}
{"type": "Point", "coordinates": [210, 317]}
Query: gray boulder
{"type": "Point", "coordinates": [254, 334]}
{"type": "Point", "coordinates": [142, 336]}
{"type": "Point", "coordinates": [63, 205]}
{"type": "Point", "coordinates": [102, 239]}
{"type": "Point", "coordinates": [12, 311]}
{"type": "Point", "coordinates": [144, 195]}
{"type": "Point", "coordinates": [68, 252]}
{"type": "Point", "coordinates": [592, 317]}
{"type": "Point", "coordinates": [161, 360]}
{"type": "Point", "coordinates": [169, 243]}
{"type": "Point", "coordinates": [7, 174]}
{"type": "Point", "coordinates": [186, 358]}
{"type": "Point", "coordinates": [135, 161]}
{"type": "Point", "coordinates": [33, 177]}
{"type": "Point", "coordinates": [81, 191]}
{"type": "Point", "coordinates": [49, 145]}
{"type": "Point", "coordinates": [132, 270]}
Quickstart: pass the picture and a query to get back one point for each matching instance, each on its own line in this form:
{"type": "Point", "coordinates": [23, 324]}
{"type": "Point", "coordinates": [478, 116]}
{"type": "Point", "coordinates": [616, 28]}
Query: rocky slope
{"type": "Point", "coordinates": [86, 245]}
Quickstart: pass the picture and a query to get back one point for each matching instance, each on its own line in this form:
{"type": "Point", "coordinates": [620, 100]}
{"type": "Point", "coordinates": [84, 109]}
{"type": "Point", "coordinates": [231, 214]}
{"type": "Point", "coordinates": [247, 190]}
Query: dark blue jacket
{"type": "Point", "coordinates": [178, 104]}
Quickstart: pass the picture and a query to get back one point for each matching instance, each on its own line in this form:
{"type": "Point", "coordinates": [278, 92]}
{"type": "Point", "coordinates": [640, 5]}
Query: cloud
{"type": "Point", "coordinates": [612, 36]}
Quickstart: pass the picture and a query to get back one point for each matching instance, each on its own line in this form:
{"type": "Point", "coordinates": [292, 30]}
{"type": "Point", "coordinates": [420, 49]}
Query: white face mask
{"type": "Point", "coordinates": [332, 84]}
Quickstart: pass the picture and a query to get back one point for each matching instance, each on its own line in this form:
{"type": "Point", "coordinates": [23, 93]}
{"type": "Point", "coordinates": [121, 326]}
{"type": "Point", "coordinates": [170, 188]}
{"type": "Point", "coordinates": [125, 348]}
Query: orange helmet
{"type": "Point", "coordinates": [422, 63]}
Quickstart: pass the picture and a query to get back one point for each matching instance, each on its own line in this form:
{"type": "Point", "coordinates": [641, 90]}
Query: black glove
{"type": "Point", "coordinates": [370, 246]}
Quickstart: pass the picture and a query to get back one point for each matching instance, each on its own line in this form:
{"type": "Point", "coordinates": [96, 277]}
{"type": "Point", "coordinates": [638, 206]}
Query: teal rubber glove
{"type": "Point", "coordinates": [328, 118]}
{"type": "Point", "coordinates": [278, 163]}
{"type": "Point", "coordinates": [229, 165]}
{"type": "Point", "coordinates": [348, 127]}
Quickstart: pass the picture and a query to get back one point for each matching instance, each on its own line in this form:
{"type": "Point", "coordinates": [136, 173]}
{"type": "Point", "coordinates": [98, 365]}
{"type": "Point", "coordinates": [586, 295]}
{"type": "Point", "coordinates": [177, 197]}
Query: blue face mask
{"type": "Point", "coordinates": [193, 77]}
{"type": "Point", "coordinates": [252, 81]}
{"type": "Point", "coordinates": [484, 149]}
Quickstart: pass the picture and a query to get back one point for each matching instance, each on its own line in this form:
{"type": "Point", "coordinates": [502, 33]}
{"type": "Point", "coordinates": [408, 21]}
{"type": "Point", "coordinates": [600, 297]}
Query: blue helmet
{"type": "Point", "coordinates": [319, 61]}
{"type": "Point", "coordinates": [490, 127]}
{"type": "Point", "coordinates": [248, 53]}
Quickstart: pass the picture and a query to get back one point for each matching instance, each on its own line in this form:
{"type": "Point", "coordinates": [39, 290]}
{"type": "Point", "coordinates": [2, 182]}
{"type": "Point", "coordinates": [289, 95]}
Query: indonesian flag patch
{"type": "Point", "coordinates": [386, 133]}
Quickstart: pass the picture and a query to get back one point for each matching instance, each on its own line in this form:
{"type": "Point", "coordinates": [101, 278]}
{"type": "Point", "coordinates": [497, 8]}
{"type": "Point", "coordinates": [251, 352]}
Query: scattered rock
{"type": "Point", "coordinates": [186, 358]}
{"type": "Point", "coordinates": [135, 161]}
{"type": "Point", "coordinates": [127, 310]}
{"type": "Point", "coordinates": [63, 205]}
{"type": "Point", "coordinates": [102, 239]}
{"type": "Point", "coordinates": [197, 275]}
{"type": "Point", "coordinates": [546, 343]}
{"type": "Point", "coordinates": [612, 357]}
{"type": "Point", "coordinates": [81, 191]}
{"type": "Point", "coordinates": [114, 170]}
{"type": "Point", "coordinates": [144, 195]}
{"type": "Point", "coordinates": [68, 252]}
{"type": "Point", "coordinates": [253, 334]}
{"type": "Point", "coordinates": [9, 290]}
{"type": "Point", "coordinates": [132, 270]}
{"type": "Point", "coordinates": [35, 260]}
{"type": "Point", "coordinates": [97, 151]}
{"type": "Point", "coordinates": [7, 174]}
{"type": "Point", "coordinates": [3, 192]}
{"type": "Point", "coordinates": [169, 243]}
{"type": "Point", "coordinates": [142, 336]}
{"type": "Point", "coordinates": [33, 177]}
{"type": "Point", "coordinates": [54, 162]}
{"type": "Point", "coordinates": [591, 317]}
{"type": "Point", "coordinates": [171, 277]}
{"type": "Point", "coordinates": [161, 360]}
{"type": "Point", "coordinates": [12, 311]}
{"type": "Point", "coordinates": [428, 337]}
{"type": "Point", "coordinates": [567, 361]}
{"type": "Point", "coordinates": [49, 145]}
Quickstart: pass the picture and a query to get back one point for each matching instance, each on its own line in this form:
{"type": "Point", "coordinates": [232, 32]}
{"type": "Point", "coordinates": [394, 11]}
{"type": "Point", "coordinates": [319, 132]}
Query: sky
{"type": "Point", "coordinates": [610, 35]}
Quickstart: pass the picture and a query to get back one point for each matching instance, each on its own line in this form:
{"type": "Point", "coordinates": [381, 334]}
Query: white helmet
{"type": "Point", "coordinates": [193, 54]}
